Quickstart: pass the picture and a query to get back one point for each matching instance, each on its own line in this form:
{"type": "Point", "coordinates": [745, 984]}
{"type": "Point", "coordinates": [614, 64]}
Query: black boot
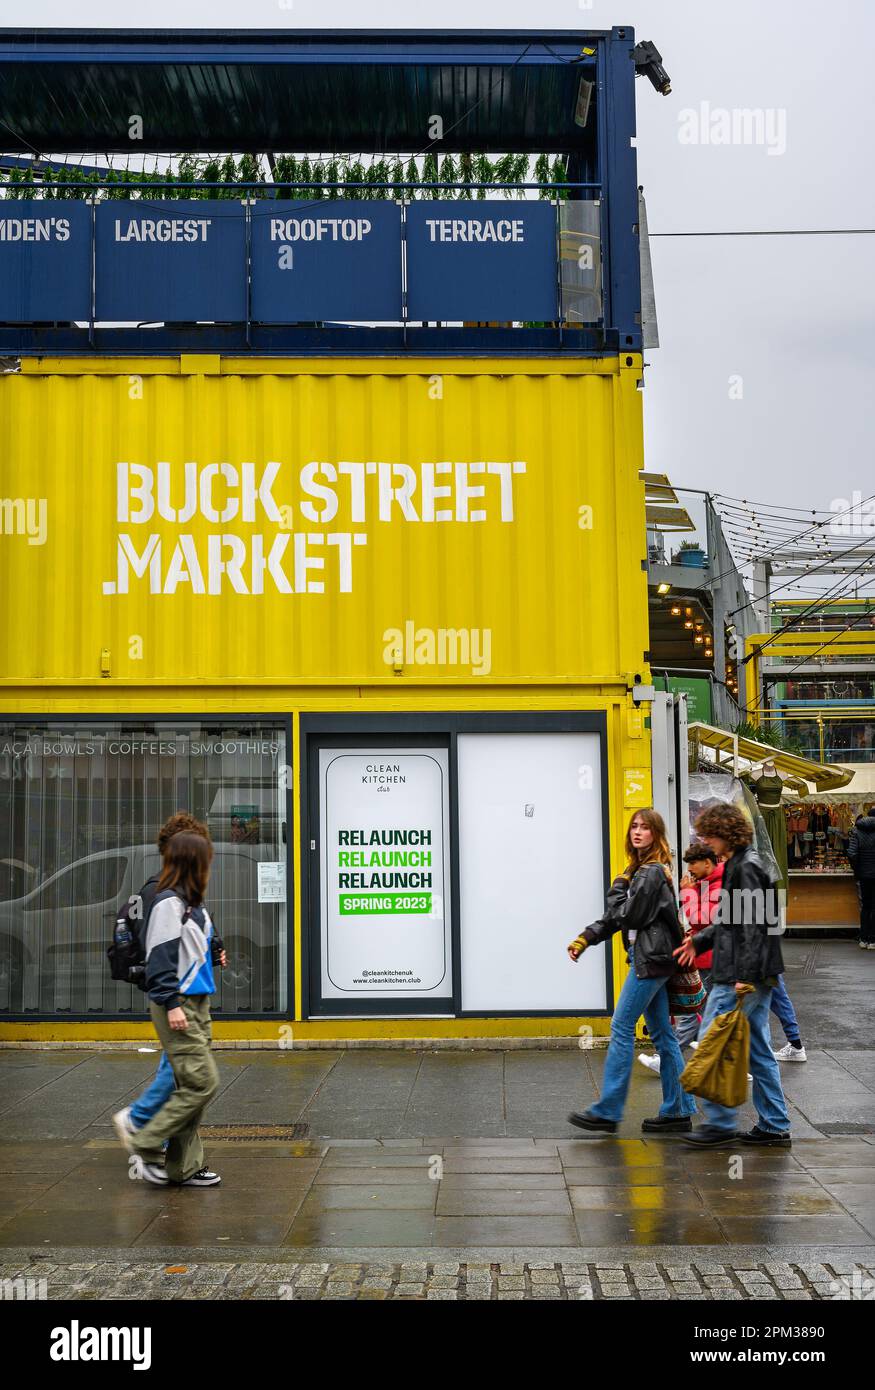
{"type": "Point", "coordinates": [668, 1124]}
{"type": "Point", "coordinates": [708, 1138]}
{"type": "Point", "coordinates": [766, 1138]}
{"type": "Point", "coordinates": [584, 1120]}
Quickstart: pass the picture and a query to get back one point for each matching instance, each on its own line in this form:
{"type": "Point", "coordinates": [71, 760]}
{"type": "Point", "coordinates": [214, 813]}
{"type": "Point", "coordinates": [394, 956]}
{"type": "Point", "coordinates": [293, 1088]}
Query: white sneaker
{"type": "Point", "coordinates": [694, 1044]}
{"type": "Point", "coordinates": [138, 1171]}
{"type": "Point", "coordinates": [863, 945]}
{"type": "Point", "coordinates": [205, 1177]}
{"type": "Point", "coordinates": [870, 945]}
{"type": "Point", "coordinates": [651, 1062]}
{"type": "Point", "coordinates": [789, 1053]}
{"type": "Point", "coordinates": [121, 1123]}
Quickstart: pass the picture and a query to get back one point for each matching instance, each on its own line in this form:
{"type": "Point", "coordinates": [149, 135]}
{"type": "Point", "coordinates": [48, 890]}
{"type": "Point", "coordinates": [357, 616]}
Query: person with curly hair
{"type": "Point", "coordinates": [744, 936]}
{"type": "Point", "coordinates": [641, 904]}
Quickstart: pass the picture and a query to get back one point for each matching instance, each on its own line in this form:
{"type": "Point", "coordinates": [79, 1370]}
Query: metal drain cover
{"type": "Point", "coordinates": [254, 1132]}
{"type": "Point", "coordinates": [838, 1130]}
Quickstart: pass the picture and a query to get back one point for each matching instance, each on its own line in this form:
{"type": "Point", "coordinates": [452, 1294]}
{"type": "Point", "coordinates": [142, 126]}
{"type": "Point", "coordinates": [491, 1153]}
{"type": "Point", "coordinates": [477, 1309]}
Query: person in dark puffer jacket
{"type": "Point", "coordinates": [746, 965]}
{"type": "Point", "coordinates": [861, 852]}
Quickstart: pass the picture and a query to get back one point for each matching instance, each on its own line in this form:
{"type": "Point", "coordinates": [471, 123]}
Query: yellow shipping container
{"type": "Point", "coordinates": [314, 523]}
{"type": "Point", "coordinates": [215, 572]}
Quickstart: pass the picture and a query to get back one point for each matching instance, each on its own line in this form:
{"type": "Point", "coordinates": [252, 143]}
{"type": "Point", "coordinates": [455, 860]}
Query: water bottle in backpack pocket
{"type": "Point", "coordinates": [127, 950]}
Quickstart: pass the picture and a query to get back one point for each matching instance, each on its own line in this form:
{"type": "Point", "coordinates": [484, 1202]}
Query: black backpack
{"type": "Point", "coordinates": [127, 950]}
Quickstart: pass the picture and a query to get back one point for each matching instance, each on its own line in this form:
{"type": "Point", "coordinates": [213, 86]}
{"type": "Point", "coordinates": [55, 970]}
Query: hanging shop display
{"type": "Point", "coordinates": [767, 785]}
{"type": "Point", "coordinates": [823, 890]}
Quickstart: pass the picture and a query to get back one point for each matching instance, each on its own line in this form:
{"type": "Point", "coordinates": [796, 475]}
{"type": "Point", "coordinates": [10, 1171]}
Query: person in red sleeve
{"type": "Point", "coordinates": [700, 896]}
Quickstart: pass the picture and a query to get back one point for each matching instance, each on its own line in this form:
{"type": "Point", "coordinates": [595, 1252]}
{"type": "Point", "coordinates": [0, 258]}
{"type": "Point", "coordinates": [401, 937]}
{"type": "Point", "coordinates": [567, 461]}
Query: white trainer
{"type": "Point", "coordinates": [650, 1061]}
{"type": "Point", "coordinates": [205, 1177]}
{"type": "Point", "coordinates": [789, 1053]}
{"type": "Point", "coordinates": [694, 1044]}
{"type": "Point", "coordinates": [138, 1171]}
{"type": "Point", "coordinates": [121, 1123]}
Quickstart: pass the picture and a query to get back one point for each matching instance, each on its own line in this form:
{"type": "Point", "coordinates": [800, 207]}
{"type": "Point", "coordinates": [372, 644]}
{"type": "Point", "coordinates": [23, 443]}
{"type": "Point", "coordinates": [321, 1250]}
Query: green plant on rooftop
{"type": "Point", "coordinates": [380, 178]}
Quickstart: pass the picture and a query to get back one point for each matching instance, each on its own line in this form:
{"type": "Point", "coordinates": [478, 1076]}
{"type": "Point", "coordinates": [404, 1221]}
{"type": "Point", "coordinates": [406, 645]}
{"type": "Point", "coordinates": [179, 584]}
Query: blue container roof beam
{"type": "Point", "coordinates": [568, 93]}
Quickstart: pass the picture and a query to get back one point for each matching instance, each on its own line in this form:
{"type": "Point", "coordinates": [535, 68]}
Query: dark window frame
{"type": "Point", "coordinates": [418, 728]}
{"type": "Point", "coordinates": [283, 721]}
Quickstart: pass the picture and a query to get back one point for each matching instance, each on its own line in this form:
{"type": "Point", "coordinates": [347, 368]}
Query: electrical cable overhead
{"type": "Point", "coordinates": [712, 498]}
{"type": "Point", "coordinates": [779, 231]}
{"type": "Point", "coordinates": [843, 577]}
{"type": "Point", "coordinates": [811, 656]}
{"type": "Point", "coordinates": [826, 601]}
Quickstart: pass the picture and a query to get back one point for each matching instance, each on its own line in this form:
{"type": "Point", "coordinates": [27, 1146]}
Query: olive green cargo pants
{"type": "Point", "coordinates": [197, 1080]}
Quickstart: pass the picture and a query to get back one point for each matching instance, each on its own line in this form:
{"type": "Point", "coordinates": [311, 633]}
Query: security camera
{"type": "Point", "coordinates": [648, 60]}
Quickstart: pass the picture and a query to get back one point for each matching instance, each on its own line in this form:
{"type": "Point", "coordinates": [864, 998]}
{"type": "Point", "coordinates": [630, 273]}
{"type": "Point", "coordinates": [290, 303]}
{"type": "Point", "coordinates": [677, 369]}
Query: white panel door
{"type": "Point", "coordinates": [531, 870]}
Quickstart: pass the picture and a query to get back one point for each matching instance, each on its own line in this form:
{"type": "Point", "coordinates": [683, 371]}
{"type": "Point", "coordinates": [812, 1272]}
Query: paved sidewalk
{"type": "Point", "coordinates": [419, 1091]}
{"type": "Point", "coordinates": [438, 1194]}
{"type": "Point", "coordinates": [429, 1174]}
{"type": "Point", "coordinates": [738, 1280]}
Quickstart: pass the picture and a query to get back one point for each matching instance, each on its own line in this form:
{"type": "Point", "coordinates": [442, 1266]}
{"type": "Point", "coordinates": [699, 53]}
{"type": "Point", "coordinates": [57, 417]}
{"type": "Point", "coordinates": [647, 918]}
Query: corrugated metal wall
{"type": "Point", "coordinates": [561, 598]}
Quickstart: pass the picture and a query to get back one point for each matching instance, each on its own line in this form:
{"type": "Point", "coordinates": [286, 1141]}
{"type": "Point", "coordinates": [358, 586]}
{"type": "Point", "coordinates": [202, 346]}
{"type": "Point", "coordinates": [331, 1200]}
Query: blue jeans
{"type": "Point", "coordinates": [782, 1006]}
{"type": "Point", "coordinates": [768, 1098]}
{"type": "Point", "coordinates": [637, 997]}
{"type": "Point", "coordinates": [155, 1095]}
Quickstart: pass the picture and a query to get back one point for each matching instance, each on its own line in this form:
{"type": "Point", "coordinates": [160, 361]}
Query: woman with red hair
{"type": "Point", "coordinates": [642, 905]}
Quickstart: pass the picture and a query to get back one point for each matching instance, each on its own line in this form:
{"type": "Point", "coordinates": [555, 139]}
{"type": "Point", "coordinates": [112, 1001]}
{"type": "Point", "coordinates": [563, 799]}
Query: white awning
{"type": "Point", "coordinates": [861, 787]}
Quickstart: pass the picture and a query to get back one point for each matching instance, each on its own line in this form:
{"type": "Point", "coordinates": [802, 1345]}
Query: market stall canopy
{"type": "Point", "coordinates": [860, 789]}
{"type": "Point", "coordinates": [798, 771]}
{"type": "Point", "coordinates": [664, 512]}
{"type": "Point", "coordinates": [343, 90]}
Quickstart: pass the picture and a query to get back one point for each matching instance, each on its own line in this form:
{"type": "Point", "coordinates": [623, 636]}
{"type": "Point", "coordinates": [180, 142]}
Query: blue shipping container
{"type": "Point", "coordinates": [171, 261]}
{"type": "Point", "coordinates": [45, 261]}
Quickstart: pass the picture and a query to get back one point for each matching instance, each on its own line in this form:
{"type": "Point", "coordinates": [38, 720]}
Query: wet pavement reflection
{"type": "Point", "coordinates": [562, 1193]}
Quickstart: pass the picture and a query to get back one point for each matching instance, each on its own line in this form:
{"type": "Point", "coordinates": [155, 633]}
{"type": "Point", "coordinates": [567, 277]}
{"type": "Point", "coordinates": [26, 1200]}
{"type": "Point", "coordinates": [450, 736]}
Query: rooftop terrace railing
{"type": "Point", "coordinates": [250, 267]}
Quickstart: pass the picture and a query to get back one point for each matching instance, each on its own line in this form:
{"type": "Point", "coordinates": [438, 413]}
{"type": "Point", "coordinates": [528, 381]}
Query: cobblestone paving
{"type": "Point", "coordinates": [736, 1281]}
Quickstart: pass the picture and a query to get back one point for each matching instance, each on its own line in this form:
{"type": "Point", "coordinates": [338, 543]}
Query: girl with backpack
{"type": "Point", "coordinates": [127, 1121]}
{"type": "Point", "coordinates": [179, 981]}
{"type": "Point", "coordinates": [641, 904]}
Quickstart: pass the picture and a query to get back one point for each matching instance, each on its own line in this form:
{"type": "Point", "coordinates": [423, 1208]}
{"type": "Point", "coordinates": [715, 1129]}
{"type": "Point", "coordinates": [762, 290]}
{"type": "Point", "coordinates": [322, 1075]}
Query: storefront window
{"type": "Point", "coordinates": [80, 808]}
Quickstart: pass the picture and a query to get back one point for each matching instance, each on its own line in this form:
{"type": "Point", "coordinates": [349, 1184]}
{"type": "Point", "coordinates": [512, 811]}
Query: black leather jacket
{"type": "Point", "coordinates": [746, 933]}
{"type": "Point", "coordinates": [647, 908]}
{"type": "Point", "coordinates": [861, 850]}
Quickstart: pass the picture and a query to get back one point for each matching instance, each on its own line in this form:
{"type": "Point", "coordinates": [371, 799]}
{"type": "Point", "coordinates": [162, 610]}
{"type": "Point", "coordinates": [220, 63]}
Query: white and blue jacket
{"type": "Point", "coordinates": [178, 956]}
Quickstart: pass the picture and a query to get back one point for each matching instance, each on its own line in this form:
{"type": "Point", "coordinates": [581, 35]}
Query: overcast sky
{"type": "Point", "coordinates": [792, 317]}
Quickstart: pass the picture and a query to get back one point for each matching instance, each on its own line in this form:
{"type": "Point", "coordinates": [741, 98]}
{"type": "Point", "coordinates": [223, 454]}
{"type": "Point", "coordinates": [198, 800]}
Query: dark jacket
{"type": "Point", "coordinates": [645, 909]}
{"type": "Point", "coordinates": [745, 937]}
{"type": "Point", "coordinates": [148, 893]}
{"type": "Point", "coordinates": [861, 850]}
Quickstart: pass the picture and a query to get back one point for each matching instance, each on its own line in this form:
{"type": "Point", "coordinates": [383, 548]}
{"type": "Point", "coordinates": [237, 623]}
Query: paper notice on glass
{"type": "Point", "coordinates": [272, 883]}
